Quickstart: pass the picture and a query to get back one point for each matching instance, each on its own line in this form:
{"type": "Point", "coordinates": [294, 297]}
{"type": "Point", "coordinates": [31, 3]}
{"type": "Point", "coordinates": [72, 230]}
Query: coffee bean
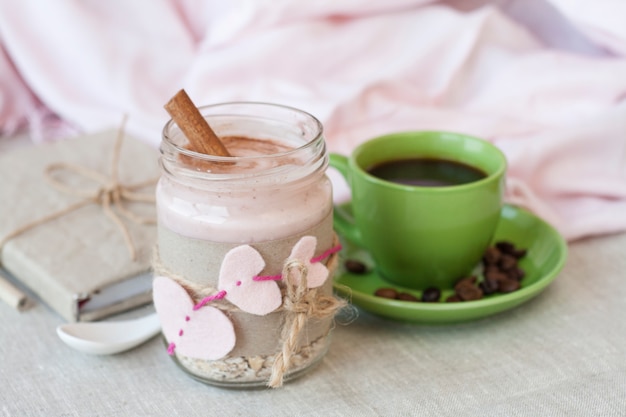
{"type": "Point", "coordinates": [405, 296]}
{"type": "Point", "coordinates": [505, 246]}
{"type": "Point", "coordinates": [507, 262]}
{"type": "Point", "coordinates": [501, 273]}
{"type": "Point", "coordinates": [506, 273]}
{"type": "Point", "coordinates": [386, 293]}
{"type": "Point", "coordinates": [491, 269]}
{"type": "Point", "coordinates": [488, 286]}
{"type": "Point", "coordinates": [508, 285]}
{"type": "Point", "coordinates": [491, 256]}
{"type": "Point", "coordinates": [471, 280]}
{"type": "Point", "coordinates": [469, 293]}
{"type": "Point", "coordinates": [431, 295]}
{"type": "Point", "coordinates": [393, 294]}
{"type": "Point", "coordinates": [355, 267]}
{"type": "Point", "coordinates": [495, 275]}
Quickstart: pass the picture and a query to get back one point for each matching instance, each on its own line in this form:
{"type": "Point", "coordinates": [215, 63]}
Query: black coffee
{"type": "Point", "coordinates": [426, 172]}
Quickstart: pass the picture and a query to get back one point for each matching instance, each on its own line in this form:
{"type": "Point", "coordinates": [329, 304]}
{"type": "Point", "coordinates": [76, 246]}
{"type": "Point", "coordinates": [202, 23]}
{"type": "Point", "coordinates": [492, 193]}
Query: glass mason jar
{"type": "Point", "coordinates": [228, 228]}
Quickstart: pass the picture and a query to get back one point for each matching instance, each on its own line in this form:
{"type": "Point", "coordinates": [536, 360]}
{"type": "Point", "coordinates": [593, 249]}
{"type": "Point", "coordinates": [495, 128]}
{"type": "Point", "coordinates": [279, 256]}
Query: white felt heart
{"type": "Point", "coordinates": [239, 267]}
{"type": "Point", "coordinates": [303, 251]}
{"type": "Point", "coordinates": [206, 333]}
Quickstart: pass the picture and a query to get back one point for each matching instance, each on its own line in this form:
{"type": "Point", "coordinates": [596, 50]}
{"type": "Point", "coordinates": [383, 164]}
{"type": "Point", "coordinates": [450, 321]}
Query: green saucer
{"type": "Point", "coordinates": [547, 251]}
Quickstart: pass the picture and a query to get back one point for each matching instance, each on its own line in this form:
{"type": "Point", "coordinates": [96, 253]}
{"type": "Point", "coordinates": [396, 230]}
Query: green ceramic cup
{"type": "Point", "coordinates": [421, 237]}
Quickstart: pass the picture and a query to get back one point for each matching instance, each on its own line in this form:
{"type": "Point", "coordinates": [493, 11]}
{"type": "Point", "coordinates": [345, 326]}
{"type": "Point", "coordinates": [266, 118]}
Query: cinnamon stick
{"type": "Point", "coordinates": [201, 137]}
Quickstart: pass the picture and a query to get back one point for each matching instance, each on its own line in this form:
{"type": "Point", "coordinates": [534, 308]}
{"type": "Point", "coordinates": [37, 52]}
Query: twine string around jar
{"type": "Point", "coordinates": [301, 304]}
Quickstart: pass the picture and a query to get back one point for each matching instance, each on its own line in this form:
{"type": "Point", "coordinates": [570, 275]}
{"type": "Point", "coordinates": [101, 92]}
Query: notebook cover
{"type": "Point", "coordinates": [71, 261]}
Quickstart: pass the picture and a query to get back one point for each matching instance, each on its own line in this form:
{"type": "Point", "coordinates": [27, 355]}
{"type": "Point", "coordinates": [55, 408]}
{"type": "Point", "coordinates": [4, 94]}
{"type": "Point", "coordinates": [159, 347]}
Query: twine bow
{"type": "Point", "coordinates": [301, 304]}
{"type": "Point", "coordinates": [110, 192]}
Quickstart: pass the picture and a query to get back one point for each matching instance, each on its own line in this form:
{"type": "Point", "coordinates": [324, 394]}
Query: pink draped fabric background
{"type": "Point", "coordinates": [543, 80]}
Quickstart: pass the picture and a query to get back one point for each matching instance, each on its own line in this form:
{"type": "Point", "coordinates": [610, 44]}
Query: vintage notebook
{"type": "Point", "coordinates": [80, 261]}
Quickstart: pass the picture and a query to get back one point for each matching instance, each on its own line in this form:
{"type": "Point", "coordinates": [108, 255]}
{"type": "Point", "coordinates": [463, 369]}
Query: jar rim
{"type": "Point", "coordinates": [318, 129]}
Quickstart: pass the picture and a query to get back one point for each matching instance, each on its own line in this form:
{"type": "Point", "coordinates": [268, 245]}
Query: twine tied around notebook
{"type": "Point", "coordinates": [110, 192]}
{"type": "Point", "coordinates": [300, 304]}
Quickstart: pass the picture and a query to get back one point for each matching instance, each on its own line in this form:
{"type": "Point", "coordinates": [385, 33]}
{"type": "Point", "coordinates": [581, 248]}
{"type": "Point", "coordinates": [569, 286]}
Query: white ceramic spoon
{"type": "Point", "coordinates": [109, 337]}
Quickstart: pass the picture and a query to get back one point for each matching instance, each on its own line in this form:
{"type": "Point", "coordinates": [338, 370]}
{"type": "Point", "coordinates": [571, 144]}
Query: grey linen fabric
{"type": "Point", "coordinates": [561, 354]}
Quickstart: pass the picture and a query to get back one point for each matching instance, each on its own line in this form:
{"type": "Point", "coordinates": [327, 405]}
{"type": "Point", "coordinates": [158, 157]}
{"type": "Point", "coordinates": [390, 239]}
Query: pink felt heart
{"type": "Point", "coordinates": [303, 251]}
{"type": "Point", "coordinates": [206, 333]}
{"type": "Point", "coordinates": [239, 267]}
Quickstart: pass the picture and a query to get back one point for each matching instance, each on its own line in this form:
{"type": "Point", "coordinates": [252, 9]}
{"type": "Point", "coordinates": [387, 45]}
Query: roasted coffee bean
{"type": "Point", "coordinates": [489, 286]}
{"type": "Point", "coordinates": [355, 267]}
{"type": "Point", "coordinates": [510, 249]}
{"type": "Point", "coordinates": [491, 256]}
{"type": "Point", "coordinates": [386, 293]}
{"type": "Point", "coordinates": [405, 296]}
{"type": "Point", "coordinates": [506, 272]}
{"type": "Point", "coordinates": [471, 280]}
{"type": "Point", "coordinates": [469, 293]}
{"type": "Point", "coordinates": [505, 246]}
{"type": "Point", "coordinates": [495, 274]}
{"type": "Point", "coordinates": [508, 285]}
{"type": "Point", "coordinates": [453, 299]}
{"type": "Point", "coordinates": [431, 295]}
{"type": "Point", "coordinates": [507, 262]}
{"type": "Point", "coordinates": [491, 269]}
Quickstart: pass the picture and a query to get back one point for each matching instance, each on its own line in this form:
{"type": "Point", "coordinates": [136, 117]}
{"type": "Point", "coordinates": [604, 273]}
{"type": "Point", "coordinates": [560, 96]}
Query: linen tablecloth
{"type": "Point", "coordinates": [561, 354]}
